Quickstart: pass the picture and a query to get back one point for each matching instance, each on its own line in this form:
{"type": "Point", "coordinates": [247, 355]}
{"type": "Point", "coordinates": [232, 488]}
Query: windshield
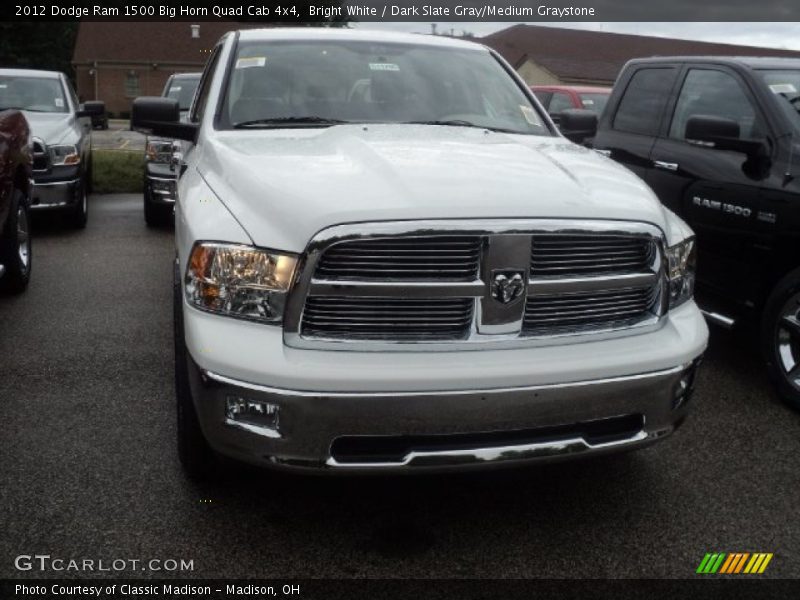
{"type": "Point", "coordinates": [594, 102]}
{"type": "Point", "coordinates": [182, 89]}
{"type": "Point", "coordinates": [785, 85]}
{"type": "Point", "coordinates": [35, 94]}
{"type": "Point", "coordinates": [309, 83]}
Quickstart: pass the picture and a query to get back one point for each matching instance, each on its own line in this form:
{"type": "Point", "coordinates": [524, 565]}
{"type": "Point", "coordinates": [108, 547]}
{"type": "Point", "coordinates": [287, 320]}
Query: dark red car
{"type": "Point", "coordinates": [15, 181]}
{"type": "Point", "coordinates": [556, 98]}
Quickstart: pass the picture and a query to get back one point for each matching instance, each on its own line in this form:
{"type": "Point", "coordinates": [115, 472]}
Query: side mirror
{"type": "Point", "coordinates": [154, 115]}
{"type": "Point", "coordinates": [723, 134]}
{"type": "Point", "coordinates": [577, 124]}
{"type": "Point", "coordinates": [92, 108]}
{"type": "Point", "coordinates": [707, 131]}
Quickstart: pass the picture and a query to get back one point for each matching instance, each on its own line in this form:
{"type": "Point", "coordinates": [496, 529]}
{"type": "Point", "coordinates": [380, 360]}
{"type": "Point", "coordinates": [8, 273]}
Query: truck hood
{"type": "Point", "coordinates": [52, 128]}
{"type": "Point", "coordinates": [284, 186]}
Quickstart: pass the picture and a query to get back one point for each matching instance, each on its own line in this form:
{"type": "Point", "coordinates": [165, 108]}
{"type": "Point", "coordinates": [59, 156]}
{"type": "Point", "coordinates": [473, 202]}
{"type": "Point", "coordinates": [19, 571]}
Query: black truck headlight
{"type": "Point", "coordinates": [239, 281]}
{"type": "Point", "coordinates": [682, 260]}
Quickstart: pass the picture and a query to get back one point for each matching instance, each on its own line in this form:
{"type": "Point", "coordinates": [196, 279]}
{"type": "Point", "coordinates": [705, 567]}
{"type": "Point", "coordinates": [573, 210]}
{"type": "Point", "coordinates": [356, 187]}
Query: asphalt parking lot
{"type": "Point", "coordinates": [89, 469]}
{"type": "Point", "coordinates": [118, 136]}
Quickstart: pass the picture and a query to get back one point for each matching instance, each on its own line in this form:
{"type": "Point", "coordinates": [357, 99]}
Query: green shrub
{"type": "Point", "coordinates": [118, 171]}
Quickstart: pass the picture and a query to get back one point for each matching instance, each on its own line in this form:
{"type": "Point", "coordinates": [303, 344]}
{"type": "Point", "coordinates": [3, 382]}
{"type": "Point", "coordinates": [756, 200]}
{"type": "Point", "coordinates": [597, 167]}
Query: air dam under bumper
{"type": "Point", "coordinates": [375, 432]}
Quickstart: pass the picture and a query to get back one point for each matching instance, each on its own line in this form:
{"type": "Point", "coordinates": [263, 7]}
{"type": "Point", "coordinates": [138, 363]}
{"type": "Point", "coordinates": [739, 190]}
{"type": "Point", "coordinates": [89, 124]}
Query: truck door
{"type": "Point", "coordinates": [707, 187]}
{"type": "Point", "coordinates": [628, 128]}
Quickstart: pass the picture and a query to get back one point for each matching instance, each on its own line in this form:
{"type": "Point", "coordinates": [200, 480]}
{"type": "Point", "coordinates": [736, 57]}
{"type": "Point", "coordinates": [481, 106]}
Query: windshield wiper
{"type": "Point", "coordinates": [18, 108]}
{"type": "Point", "coordinates": [460, 123]}
{"type": "Point", "coordinates": [288, 121]}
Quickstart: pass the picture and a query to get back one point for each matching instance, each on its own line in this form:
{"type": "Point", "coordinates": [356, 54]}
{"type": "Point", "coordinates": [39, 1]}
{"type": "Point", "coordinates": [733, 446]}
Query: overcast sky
{"type": "Point", "coordinates": [770, 35]}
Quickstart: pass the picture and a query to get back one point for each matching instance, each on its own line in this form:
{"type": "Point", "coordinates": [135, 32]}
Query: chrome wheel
{"type": "Point", "coordinates": [788, 340]}
{"type": "Point", "coordinates": [23, 238]}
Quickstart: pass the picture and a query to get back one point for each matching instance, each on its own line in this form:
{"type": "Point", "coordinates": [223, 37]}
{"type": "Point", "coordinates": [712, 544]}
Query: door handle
{"type": "Point", "coordinates": [603, 152]}
{"type": "Point", "coordinates": [667, 166]}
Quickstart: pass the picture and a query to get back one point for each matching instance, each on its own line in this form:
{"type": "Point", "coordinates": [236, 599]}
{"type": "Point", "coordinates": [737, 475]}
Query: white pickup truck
{"type": "Point", "coordinates": [388, 258]}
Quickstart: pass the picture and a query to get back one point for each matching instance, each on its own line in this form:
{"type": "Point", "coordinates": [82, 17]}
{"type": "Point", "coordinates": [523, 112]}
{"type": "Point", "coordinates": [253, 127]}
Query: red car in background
{"type": "Point", "coordinates": [556, 98]}
{"type": "Point", "coordinates": [15, 184]}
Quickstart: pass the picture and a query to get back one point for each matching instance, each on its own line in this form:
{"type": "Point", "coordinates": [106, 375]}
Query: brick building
{"type": "Point", "coordinates": [116, 62]}
{"type": "Point", "coordinates": [553, 56]}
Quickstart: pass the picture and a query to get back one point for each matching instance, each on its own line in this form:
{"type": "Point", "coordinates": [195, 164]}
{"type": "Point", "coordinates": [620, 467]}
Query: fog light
{"type": "Point", "coordinates": [684, 387]}
{"type": "Point", "coordinates": [253, 415]}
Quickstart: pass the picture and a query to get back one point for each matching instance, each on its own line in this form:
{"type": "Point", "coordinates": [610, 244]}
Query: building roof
{"type": "Point", "coordinates": [172, 42]}
{"type": "Point", "coordinates": [581, 55]}
{"type": "Point", "coordinates": [149, 42]}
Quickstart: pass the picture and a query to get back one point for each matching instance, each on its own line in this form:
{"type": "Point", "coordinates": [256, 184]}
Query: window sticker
{"type": "Point", "coordinates": [587, 102]}
{"type": "Point", "coordinates": [59, 103]}
{"type": "Point", "coordinates": [383, 67]}
{"type": "Point", "coordinates": [175, 88]}
{"type": "Point", "coordinates": [530, 115]}
{"type": "Point", "coordinates": [783, 88]}
{"type": "Point", "coordinates": [251, 61]}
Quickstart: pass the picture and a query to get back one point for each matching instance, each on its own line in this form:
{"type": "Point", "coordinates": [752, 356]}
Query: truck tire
{"type": "Point", "coordinates": [15, 246]}
{"type": "Point", "coordinates": [194, 453]}
{"type": "Point", "coordinates": [780, 337]}
{"type": "Point", "coordinates": [155, 215]}
{"type": "Point", "coordinates": [80, 214]}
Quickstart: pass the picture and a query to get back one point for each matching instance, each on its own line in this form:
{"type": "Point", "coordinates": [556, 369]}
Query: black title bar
{"type": "Point", "coordinates": [303, 12]}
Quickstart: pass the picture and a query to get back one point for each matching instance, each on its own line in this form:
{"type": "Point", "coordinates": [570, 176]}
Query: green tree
{"type": "Point", "coordinates": [38, 45]}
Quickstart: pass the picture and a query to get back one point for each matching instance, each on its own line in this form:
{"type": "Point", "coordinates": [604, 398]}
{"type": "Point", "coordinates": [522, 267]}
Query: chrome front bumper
{"type": "Point", "coordinates": [162, 189]}
{"type": "Point", "coordinates": [55, 194]}
{"type": "Point", "coordinates": [444, 430]}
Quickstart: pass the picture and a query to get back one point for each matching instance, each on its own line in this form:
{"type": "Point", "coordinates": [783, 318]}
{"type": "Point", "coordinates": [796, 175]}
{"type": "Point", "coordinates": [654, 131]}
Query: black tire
{"type": "Point", "coordinates": [780, 338]}
{"type": "Point", "coordinates": [80, 213]}
{"type": "Point", "coordinates": [15, 246]}
{"type": "Point", "coordinates": [155, 215]}
{"type": "Point", "coordinates": [90, 176]}
{"type": "Point", "coordinates": [196, 456]}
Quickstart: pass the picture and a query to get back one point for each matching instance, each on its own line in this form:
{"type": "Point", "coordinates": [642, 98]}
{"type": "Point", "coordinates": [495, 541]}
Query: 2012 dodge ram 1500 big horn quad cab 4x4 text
{"type": "Point", "coordinates": [388, 258]}
{"type": "Point", "coordinates": [718, 140]}
{"type": "Point", "coordinates": [62, 143]}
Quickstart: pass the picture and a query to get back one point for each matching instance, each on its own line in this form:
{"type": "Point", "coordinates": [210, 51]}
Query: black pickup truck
{"type": "Point", "coordinates": [718, 140]}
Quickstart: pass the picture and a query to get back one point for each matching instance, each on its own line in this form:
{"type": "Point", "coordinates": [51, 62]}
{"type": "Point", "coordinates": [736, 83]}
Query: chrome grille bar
{"type": "Point", "coordinates": [439, 258]}
{"type": "Point", "coordinates": [379, 318]}
{"type": "Point", "coordinates": [565, 254]}
{"type": "Point", "coordinates": [379, 284]}
{"type": "Point", "coordinates": [41, 160]}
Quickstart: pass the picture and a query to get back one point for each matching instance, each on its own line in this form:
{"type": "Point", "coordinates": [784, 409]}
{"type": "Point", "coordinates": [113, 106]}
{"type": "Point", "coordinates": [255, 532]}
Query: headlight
{"type": "Point", "coordinates": [682, 265]}
{"type": "Point", "coordinates": [239, 281]}
{"type": "Point", "coordinates": [64, 155]}
{"type": "Point", "coordinates": [158, 151]}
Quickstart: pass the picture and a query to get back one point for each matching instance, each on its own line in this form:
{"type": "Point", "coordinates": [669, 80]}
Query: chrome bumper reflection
{"type": "Point", "coordinates": [497, 454]}
{"type": "Point", "coordinates": [54, 194]}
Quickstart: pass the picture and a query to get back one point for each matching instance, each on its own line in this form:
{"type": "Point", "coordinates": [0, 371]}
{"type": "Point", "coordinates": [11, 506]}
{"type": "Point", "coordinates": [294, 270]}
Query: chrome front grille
{"type": "Point", "coordinates": [561, 255]}
{"type": "Point", "coordinates": [560, 312]}
{"type": "Point", "coordinates": [41, 161]}
{"type": "Point", "coordinates": [460, 283]}
{"type": "Point", "coordinates": [382, 318]}
{"type": "Point", "coordinates": [444, 258]}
